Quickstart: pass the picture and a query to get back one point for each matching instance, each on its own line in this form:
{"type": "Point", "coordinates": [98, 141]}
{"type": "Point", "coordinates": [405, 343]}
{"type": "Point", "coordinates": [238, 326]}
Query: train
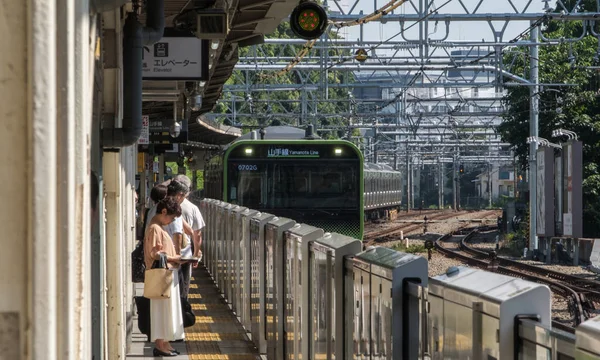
{"type": "Point", "coordinates": [292, 172]}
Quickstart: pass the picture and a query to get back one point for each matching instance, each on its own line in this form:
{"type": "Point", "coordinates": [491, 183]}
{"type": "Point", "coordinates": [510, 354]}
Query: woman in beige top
{"type": "Point", "coordinates": [166, 321]}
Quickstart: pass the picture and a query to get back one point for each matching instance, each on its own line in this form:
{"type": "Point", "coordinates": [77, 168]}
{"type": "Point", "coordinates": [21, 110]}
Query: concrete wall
{"type": "Point", "coordinates": [44, 149]}
{"type": "Point", "coordinates": [15, 178]}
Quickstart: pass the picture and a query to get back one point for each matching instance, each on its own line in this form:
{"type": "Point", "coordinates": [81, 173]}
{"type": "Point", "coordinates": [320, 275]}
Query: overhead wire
{"type": "Point", "coordinates": [386, 9]}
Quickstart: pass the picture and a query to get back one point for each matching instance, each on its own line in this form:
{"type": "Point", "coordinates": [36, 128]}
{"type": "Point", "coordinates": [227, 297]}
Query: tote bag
{"type": "Point", "coordinates": [158, 280]}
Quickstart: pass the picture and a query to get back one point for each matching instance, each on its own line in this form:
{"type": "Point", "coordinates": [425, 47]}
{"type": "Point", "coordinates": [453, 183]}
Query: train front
{"type": "Point", "coordinates": [317, 182]}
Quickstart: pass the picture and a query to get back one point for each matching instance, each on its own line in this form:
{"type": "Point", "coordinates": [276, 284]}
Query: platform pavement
{"type": "Point", "coordinates": [217, 334]}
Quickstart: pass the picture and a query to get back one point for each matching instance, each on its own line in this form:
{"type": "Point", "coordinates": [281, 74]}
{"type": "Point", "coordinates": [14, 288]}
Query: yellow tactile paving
{"type": "Point", "coordinates": [217, 334]}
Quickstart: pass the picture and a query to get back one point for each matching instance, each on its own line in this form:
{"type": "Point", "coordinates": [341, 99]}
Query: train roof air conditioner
{"type": "Point", "coordinates": [212, 24]}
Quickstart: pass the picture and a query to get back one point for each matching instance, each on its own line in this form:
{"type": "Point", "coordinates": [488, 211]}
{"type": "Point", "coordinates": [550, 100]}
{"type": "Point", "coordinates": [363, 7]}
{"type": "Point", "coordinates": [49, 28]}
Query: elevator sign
{"type": "Point", "coordinates": [176, 58]}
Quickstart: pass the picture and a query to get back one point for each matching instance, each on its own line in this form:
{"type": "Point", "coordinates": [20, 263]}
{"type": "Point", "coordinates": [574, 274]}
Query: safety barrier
{"type": "Point", "coordinates": [305, 294]}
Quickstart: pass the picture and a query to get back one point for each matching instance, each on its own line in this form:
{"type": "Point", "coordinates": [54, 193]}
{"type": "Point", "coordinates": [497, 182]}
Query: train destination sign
{"type": "Point", "coordinates": [278, 152]}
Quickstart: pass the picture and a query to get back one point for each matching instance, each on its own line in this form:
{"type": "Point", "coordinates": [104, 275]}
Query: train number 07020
{"type": "Point", "coordinates": [247, 167]}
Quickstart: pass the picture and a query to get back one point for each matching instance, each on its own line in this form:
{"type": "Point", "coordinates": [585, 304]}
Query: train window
{"type": "Point", "coordinates": [298, 184]}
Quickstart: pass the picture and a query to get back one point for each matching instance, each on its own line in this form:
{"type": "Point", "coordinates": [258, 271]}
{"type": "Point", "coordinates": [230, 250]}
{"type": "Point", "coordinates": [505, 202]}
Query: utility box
{"type": "Point", "coordinates": [274, 280]}
{"type": "Point", "coordinates": [242, 254]}
{"type": "Point", "coordinates": [296, 287]}
{"type": "Point", "coordinates": [587, 343]}
{"type": "Point", "coordinates": [384, 304]}
{"type": "Point", "coordinates": [473, 312]}
{"type": "Point", "coordinates": [326, 277]}
{"type": "Point", "coordinates": [256, 279]}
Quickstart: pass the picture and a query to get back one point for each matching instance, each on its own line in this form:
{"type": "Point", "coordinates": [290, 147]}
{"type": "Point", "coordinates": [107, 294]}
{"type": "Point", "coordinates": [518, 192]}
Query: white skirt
{"type": "Point", "coordinates": [165, 315]}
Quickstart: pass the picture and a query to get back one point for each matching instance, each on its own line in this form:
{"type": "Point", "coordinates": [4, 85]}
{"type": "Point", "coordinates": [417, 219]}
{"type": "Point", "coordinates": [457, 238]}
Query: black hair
{"type": "Point", "coordinates": [170, 204]}
{"type": "Point", "coordinates": [158, 193]}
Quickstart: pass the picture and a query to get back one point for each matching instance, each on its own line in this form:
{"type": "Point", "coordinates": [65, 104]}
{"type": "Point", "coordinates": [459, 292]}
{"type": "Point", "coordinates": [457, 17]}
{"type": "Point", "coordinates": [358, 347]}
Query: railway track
{"type": "Point", "coordinates": [403, 214]}
{"type": "Point", "coordinates": [380, 236]}
{"type": "Point", "coordinates": [578, 297]}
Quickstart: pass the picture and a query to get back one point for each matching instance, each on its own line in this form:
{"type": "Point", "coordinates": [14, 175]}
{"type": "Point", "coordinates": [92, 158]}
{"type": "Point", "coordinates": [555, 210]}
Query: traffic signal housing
{"type": "Point", "coordinates": [308, 20]}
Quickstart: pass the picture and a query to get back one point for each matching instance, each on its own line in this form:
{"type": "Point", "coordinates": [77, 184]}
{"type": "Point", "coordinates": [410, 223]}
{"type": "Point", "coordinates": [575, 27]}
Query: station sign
{"type": "Point", "coordinates": [156, 133]}
{"type": "Point", "coordinates": [177, 56]}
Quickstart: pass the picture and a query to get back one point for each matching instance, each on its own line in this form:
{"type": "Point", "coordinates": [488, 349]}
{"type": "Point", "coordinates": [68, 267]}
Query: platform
{"type": "Point", "coordinates": [217, 334]}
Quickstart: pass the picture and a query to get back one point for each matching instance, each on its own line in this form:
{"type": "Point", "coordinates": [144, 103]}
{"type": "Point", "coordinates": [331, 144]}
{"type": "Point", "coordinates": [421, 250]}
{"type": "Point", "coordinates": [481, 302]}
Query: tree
{"type": "Point", "coordinates": [576, 108]}
{"type": "Point", "coordinates": [260, 104]}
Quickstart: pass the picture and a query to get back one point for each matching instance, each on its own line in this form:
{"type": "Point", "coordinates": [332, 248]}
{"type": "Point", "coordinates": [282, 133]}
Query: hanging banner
{"type": "Point", "coordinates": [145, 136]}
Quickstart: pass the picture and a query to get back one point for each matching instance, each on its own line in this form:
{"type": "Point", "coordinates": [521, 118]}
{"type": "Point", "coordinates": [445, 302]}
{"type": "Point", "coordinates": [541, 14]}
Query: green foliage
{"type": "Point", "coordinates": [411, 249]}
{"type": "Point", "coordinates": [576, 108]}
{"type": "Point", "coordinates": [267, 102]}
{"type": "Point", "coordinates": [189, 173]}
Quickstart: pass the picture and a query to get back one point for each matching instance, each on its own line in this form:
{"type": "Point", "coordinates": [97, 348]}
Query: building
{"type": "Point", "coordinates": [502, 183]}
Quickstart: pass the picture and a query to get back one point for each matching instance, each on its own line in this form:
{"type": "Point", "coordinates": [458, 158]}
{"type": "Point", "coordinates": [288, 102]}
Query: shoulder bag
{"type": "Point", "coordinates": [158, 281]}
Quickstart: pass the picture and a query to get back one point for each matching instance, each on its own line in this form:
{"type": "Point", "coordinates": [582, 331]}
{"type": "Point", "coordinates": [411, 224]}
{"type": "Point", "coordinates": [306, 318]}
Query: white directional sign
{"type": "Point", "coordinates": [176, 58]}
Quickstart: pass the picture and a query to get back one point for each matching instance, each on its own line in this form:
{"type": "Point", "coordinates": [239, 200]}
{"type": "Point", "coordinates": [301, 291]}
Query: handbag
{"type": "Point", "coordinates": [158, 280]}
{"type": "Point", "coordinates": [138, 265]}
{"type": "Point", "coordinates": [189, 318]}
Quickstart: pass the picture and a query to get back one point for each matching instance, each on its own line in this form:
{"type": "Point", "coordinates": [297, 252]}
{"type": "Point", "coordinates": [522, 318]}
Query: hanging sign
{"type": "Point", "coordinates": [176, 58]}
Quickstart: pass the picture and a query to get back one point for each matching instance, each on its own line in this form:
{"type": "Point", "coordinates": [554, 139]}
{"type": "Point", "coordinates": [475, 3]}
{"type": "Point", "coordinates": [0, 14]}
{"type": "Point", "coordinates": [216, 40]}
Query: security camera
{"type": "Point", "coordinates": [175, 130]}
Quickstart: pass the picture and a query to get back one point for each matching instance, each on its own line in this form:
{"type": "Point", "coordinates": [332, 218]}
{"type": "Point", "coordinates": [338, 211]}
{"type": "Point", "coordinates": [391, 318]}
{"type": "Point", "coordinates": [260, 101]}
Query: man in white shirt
{"type": "Point", "coordinates": [192, 216]}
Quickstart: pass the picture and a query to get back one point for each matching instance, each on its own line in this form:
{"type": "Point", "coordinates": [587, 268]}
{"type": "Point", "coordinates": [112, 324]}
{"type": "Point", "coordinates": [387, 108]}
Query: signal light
{"type": "Point", "coordinates": [308, 20]}
{"type": "Point", "coordinates": [461, 169]}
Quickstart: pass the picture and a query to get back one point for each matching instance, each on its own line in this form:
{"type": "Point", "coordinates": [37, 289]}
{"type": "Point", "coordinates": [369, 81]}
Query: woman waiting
{"type": "Point", "coordinates": [165, 314]}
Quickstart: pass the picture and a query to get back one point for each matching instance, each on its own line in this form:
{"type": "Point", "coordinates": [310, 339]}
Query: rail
{"type": "Point", "coordinates": [470, 259]}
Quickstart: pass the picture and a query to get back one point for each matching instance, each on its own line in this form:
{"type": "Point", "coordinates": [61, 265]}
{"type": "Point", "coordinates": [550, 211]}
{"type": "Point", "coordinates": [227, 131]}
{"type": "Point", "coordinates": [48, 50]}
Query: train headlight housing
{"type": "Point", "coordinates": [248, 151]}
{"type": "Point", "coordinates": [338, 151]}
{"type": "Point", "coordinates": [308, 20]}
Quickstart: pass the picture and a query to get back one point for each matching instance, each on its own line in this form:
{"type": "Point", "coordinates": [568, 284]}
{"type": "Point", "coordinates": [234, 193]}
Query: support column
{"type": "Point", "coordinates": [533, 131]}
{"type": "Point", "coordinates": [115, 247]}
{"type": "Point", "coordinates": [454, 187]}
{"type": "Point", "coordinates": [575, 252]}
{"type": "Point", "coordinates": [407, 179]}
{"type": "Point", "coordinates": [490, 185]}
{"type": "Point", "coordinates": [441, 186]}
{"type": "Point", "coordinates": [42, 217]}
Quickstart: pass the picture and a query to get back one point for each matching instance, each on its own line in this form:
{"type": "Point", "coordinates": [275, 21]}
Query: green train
{"type": "Point", "coordinates": [293, 173]}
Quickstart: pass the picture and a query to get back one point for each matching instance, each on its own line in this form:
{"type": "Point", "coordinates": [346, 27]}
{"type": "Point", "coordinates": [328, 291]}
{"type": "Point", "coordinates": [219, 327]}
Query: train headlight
{"type": "Point", "coordinates": [308, 20]}
{"type": "Point", "coordinates": [338, 151]}
{"type": "Point", "coordinates": [248, 151]}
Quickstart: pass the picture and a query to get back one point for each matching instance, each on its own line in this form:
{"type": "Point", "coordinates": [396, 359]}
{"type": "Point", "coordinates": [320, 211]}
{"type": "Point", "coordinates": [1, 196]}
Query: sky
{"type": "Point", "coordinates": [459, 30]}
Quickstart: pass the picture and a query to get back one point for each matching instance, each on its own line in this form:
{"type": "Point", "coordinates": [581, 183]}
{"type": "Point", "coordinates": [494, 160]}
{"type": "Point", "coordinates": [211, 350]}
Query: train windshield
{"type": "Point", "coordinates": [294, 184]}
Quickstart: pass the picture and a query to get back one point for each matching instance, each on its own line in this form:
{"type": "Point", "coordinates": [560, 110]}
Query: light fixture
{"type": "Point", "coordinates": [248, 151]}
{"type": "Point", "coordinates": [196, 102]}
{"type": "Point", "coordinates": [214, 44]}
{"type": "Point", "coordinates": [338, 151]}
{"type": "Point", "coordinates": [175, 129]}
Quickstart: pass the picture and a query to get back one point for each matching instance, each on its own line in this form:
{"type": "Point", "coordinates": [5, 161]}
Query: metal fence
{"type": "Point", "coordinates": [305, 294]}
